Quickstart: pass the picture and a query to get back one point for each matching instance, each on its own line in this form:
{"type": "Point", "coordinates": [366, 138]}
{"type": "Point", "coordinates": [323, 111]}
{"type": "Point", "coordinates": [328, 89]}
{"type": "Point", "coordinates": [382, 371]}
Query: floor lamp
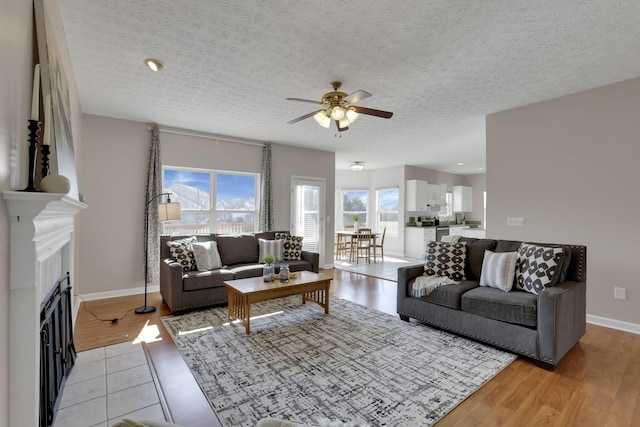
{"type": "Point", "coordinates": [166, 212]}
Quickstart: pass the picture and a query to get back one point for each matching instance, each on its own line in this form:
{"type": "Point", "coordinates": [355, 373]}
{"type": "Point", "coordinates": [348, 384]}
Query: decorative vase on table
{"type": "Point", "coordinates": [284, 273]}
{"type": "Point", "coordinates": [268, 269]}
{"type": "Point", "coordinates": [355, 226]}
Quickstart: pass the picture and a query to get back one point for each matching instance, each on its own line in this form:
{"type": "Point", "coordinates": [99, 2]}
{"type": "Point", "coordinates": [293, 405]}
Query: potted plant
{"type": "Point", "coordinates": [268, 270]}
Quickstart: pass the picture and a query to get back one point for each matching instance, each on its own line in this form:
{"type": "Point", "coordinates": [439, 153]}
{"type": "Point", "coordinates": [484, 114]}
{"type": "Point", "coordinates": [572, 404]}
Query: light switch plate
{"type": "Point", "coordinates": [515, 221]}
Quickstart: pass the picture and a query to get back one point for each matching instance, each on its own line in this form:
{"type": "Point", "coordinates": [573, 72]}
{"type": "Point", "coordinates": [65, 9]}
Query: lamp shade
{"type": "Point", "coordinates": [169, 211]}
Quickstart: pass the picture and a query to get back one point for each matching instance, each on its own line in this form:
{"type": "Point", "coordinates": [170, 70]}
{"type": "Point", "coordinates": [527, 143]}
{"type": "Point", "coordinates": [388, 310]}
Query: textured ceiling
{"type": "Point", "coordinates": [440, 66]}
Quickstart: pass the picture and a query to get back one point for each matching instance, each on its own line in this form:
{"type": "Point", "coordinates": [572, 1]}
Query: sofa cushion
{"type": "Point", "coordinates": [196, 280]}
{"type": "Point", "coordinates": [536, 267]}
{"type": "Point", "coordinates": [448, 295]}
{"type": "Point", "coordinates": [295, 265]}
{"type": "Point", "coordinates": [271, 247]}
{"type": "Point", "coordinates": [206, 255]}
{"type": "Point", "coordinates": [499, 270]}
{"type": "Point", "coordinates": [516, 307]}
{"type": "Point", "coordinates": [182, 253]}
{"type": "Point", "coordinates": [244, 271]}
{"type": "Point", "coordinates": [237, 249]}
{"type": "Point", "coordinates": [475, 255]}
{"type": "Point", "coordinates": [445, 259]}
{"type": "Point", "coordinates": [292, 246]}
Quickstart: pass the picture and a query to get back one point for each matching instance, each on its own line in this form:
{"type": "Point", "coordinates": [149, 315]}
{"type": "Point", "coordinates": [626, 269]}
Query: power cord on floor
{"type": "Point", "coordinates": [112, 321]}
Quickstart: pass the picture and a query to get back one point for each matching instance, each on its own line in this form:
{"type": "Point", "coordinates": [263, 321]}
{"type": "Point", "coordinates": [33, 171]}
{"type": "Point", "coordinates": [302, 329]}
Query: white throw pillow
{"type": "Point", "coordinates": [206, 255]}
{"type": "Point", "coordinates": [271, 247]}
{"type": "Point", "coordinates": [451, 238]}
{"type": "Point", "coordinates": [498, 270]}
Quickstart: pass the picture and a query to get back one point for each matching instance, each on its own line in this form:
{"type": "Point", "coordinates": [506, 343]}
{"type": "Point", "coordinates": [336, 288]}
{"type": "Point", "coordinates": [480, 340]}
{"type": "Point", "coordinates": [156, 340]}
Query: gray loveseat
{"type": "Point", "coordinates": [239, 253]}
{"type": "Point", "coordinates": [543, 327]}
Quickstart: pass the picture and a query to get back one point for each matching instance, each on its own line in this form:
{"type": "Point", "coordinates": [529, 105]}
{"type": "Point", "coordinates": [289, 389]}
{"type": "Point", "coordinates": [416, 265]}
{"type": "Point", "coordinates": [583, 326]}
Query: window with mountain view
{"type": "Point", "coordinates": [211, 201]}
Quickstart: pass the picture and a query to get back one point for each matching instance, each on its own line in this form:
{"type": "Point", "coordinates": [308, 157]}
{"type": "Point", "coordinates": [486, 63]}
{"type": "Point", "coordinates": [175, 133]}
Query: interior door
{"type": "Point", "coordinates": [307, 213]}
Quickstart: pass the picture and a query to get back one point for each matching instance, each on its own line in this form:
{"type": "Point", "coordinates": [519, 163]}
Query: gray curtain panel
{"type": "Point", "coordinates": [151, 224]}
{"type": "Point", "coordinates": [266, 193]}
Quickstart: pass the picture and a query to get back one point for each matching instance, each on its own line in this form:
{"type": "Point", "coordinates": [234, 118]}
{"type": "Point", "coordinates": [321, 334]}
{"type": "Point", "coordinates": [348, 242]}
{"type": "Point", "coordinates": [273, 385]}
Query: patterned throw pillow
{"type": "Point", "coordinates": [271, 247]}
{"type": "Point", "coordinates": [206, 255]}
{"type": "Point", "coordinates": [536, 267]}
{"type": "Point", "coordinates": [498, 270]}
{"type": "Point", "coordinates": [445, 259]}
{"type": "Point", "coordinates": [292, 246]}
{"type": "Point", "coordinates": [182, 253]}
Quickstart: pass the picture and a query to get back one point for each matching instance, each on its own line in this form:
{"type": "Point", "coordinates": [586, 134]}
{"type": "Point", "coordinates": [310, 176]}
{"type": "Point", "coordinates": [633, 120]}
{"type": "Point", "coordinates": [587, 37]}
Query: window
{"type": "Point", "coordinates": [387, 202]}
{"type": "Point", "coordinates": [211, 201]}
{"type": "Point", "coordinates": [447, 211]}
{"type": "Point", "coordinates": [354, 203]}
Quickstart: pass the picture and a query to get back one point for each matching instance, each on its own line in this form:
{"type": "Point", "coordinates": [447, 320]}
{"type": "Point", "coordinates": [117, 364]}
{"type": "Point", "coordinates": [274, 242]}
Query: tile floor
{"type": "Point", "coordinates": [108, 384]}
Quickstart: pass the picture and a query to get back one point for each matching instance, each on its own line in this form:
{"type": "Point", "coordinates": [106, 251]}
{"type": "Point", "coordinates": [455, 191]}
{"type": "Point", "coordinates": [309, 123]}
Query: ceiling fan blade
{"type": "Point", "coordinates": [356, 96]}
{"type": "Point", "coordinates": [304, 100]}
{"type": "Point", "coordinates": [306, 116]}
{"type": "Point", "coordinates": [373, 112]}
{"type": "Point", "coordinates": [339, 128]}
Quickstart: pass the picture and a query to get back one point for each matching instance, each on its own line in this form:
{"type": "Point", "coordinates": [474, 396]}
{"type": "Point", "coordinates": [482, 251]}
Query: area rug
{"type": "Point", "coordinates": [355, 364]}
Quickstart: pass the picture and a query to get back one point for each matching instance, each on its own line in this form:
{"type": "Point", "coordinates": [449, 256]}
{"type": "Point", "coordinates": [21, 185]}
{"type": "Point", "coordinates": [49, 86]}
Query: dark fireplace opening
{"type": "Point", "coordinates": [57, 351]}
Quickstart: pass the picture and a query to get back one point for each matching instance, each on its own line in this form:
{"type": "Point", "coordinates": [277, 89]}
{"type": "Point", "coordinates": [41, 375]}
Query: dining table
{"type": "Point", "coordinates": [349, 239]}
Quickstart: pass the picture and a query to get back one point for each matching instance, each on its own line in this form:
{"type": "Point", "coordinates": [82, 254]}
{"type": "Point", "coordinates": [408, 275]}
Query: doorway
{"type": "Point", "coordinates": [307, 213]}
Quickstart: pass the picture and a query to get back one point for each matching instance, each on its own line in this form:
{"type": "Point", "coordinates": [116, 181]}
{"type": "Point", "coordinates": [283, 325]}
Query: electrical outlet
{"type": "Point", "coordinates": [515, 221]}
{"type": "Point", "coordinates": [619, 293]}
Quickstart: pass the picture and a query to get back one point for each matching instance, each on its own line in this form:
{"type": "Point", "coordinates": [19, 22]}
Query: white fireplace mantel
{"type": "Point", "coordinates": [42, 245]}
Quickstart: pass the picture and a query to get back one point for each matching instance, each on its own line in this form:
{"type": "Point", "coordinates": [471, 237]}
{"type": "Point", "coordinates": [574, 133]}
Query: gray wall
{"type": "Point", "coordinates": [113, 176]}
{"type": "Point", "coordinates": [570, 167]}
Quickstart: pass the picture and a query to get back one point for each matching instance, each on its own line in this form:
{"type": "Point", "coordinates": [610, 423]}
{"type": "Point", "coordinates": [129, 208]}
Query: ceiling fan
{"type": "Point", "coordinates": [338, 106]}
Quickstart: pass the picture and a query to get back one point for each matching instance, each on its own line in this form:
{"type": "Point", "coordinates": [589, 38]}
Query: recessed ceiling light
{"type": "Point", "coordinates": [153, 64]}
{"type": "Point", "coordinates": [480, 169]}
{"type": "Point", "coordinates": [460, 164]}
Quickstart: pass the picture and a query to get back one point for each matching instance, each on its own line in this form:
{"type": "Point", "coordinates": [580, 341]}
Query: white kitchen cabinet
{"type": "Point", "coordinates": [423, 197]}
{"type": "Point", "coordinates": [462, 198]}
{"type": "Point", "coordinates": [456, 231]}
{"type": "Point", "coordinates": [416, 196]}
{"type": "Point", "coordinates": [416, 239]}
{"type": "Point", "coordinates": [436, 194]}
{"type": "Point", "coordinates": [477, 233]}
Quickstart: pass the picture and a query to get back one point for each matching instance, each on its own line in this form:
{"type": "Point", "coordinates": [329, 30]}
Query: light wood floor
{"type": "Point", "coordinates": [596, 384]}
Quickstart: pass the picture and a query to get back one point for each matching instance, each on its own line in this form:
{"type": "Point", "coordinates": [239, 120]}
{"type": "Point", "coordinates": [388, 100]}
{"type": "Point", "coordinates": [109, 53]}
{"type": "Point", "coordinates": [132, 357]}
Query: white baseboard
{"type": "Point", "coordinates": [119, 293]}
{"type": "Point", "coordinates": [614, 324]}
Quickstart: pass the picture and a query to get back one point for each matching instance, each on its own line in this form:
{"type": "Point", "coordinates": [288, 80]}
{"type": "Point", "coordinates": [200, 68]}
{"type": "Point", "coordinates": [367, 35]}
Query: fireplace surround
{"type": "Point", "coordinates": [41, 251]}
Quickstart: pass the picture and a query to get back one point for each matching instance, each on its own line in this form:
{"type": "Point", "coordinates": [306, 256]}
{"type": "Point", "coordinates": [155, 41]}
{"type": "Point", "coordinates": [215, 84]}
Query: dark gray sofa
{"type": "Point", "coordinates": [543, 327]}
{"type": "Point", "coordinates": [188, 290]}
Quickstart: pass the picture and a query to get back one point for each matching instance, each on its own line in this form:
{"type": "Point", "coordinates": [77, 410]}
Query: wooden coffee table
{"type": "Point", "coordinates": [242, 293]}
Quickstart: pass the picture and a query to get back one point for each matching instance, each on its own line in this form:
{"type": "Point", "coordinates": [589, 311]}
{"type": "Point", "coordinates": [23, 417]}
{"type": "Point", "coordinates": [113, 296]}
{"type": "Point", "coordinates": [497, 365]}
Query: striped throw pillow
{"type": "Point", "coordinates": [498, 270]}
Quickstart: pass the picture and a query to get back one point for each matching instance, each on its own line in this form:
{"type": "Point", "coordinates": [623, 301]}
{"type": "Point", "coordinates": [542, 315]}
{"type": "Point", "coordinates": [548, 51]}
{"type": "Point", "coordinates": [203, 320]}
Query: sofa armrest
{"type": "Point", "coordinates": [562, 319]}
{"type": "Point", "coordinates": [405, 275]}
{"type": "Point", "coordinates": [313, 258]}
{"type": "Point", "coordinates": [171, 283]}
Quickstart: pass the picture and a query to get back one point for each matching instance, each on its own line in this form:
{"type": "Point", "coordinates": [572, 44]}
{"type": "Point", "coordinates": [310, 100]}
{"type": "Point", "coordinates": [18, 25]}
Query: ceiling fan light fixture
{"type": "Point", "coordinates": [153, 64]}
{"type": "Point", "coordinates": [322, 118]}
{"type": "Point", "coordinates": [337, 113]}
{"type": "Point", "coordinates": [356, 167]}
{"type": "Point", "coordinates": [352, 115]}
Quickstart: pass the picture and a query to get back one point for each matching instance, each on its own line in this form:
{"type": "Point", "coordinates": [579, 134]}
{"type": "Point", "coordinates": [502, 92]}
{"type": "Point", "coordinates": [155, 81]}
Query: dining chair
{"type": "Point", "coordinates": [363, 244]}
{"type": "Point", "coordinates": [348, 228]}
{"type": "Point", "coordinates": [379, 245]}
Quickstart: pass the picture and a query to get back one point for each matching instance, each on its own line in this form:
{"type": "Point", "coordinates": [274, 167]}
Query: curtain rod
{"type": "Point", "coordinates": [185, 132]}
